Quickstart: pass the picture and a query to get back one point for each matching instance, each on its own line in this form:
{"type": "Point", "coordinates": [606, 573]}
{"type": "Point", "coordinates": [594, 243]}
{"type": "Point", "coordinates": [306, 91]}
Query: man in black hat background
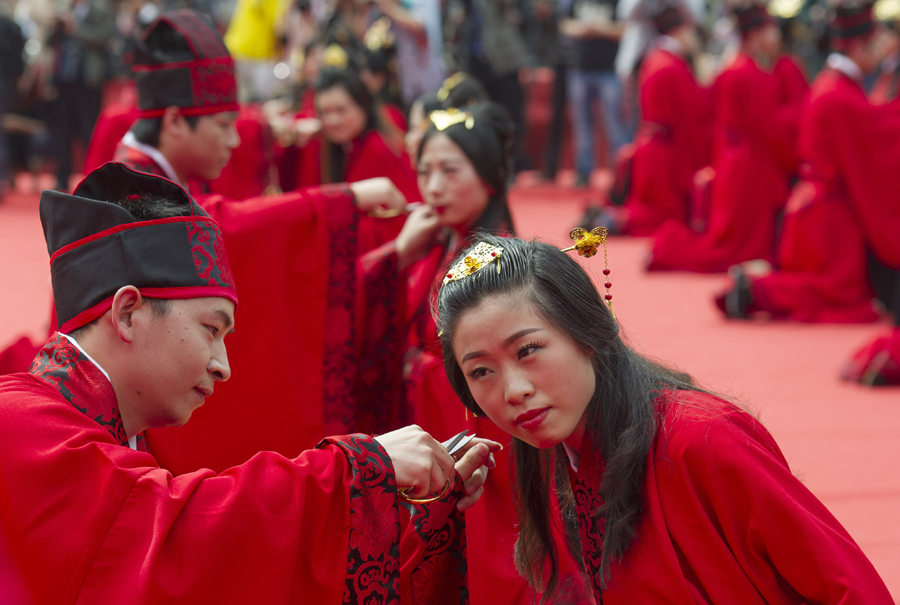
{"type": "Point", "coordinates": [145, 297]}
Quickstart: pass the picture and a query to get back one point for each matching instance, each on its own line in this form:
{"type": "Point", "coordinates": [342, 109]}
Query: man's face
{"type": "Point", "coordinates": [178, 358]}
{"type": "Point", "coordinates": [207, 148]}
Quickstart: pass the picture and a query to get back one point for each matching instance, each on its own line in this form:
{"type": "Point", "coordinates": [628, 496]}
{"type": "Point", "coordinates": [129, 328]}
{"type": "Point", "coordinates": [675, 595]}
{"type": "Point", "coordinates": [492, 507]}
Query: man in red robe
{"type": "Point", "coordinates": [674, 139]}
{"type": "Point", "coordinates": [145, 297]}
{"type": "Point", "coordinates": [754, 159]}
{"type": "Point", "coordinates": [847, 206]}
{"type": "Point", "coordinates": [840, 233]}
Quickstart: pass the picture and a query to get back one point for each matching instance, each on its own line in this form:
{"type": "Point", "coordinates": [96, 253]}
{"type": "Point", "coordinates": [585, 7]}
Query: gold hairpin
{"type": "Point", "coordinates": [449, 84]}
{"type": "Point", "coordinates": [444, 119]}
{"type": "Point", "coordinates": [586, 244]}
{"type": "Point", "coordinates": [477, 259]}
{"type": "Point", "coordinates": [335, 56]}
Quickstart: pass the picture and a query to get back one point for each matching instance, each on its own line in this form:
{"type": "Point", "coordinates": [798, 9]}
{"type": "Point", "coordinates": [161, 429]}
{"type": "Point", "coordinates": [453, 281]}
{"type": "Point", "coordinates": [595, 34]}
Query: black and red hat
{"type": "Point", "coordinates": [182, 61]}
{"type": "Point", "coordinates": [851, 21]}
{"type": "Point", "coordinates": [97, 246]}
{"type": "Point", "coordinates": [751, 16]}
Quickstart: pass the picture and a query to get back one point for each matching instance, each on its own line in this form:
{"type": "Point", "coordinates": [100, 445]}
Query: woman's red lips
{"type": "Point", "coordinates": [529, 415]}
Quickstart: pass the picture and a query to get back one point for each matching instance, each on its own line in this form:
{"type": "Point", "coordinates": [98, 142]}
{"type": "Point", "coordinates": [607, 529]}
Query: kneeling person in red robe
{"type": "Point", "coordinates": [145, 296]}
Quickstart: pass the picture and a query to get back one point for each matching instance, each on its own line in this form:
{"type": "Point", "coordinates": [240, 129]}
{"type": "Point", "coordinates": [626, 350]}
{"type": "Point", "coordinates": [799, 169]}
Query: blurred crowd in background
{"type": "Point", "coordinates": [60, 62]}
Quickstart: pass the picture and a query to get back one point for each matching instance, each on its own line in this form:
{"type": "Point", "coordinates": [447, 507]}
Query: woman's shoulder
{"type": "Point", "coordinates": [702, 426]}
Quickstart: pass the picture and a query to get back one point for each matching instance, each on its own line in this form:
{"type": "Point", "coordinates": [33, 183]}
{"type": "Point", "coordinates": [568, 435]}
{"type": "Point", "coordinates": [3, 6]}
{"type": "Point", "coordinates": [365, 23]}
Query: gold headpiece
{"type": "Point", "coordinates": [379, 35]}
{"type": "Point", "coordinates": [335, 56]}
{"type": "Point", "coordinates": [586, 244]}
{"type": "Point", "coordinates": [449, 84]}
{"type": "Point", "coordinates": [443, 120]}
{"type": "Point", "coordinates": [477, 259]}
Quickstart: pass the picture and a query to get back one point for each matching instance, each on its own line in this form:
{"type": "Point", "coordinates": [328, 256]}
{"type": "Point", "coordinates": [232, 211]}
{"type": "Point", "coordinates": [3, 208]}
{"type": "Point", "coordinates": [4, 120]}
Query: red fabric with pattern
{"type": "Point", "coordinates": [673, 141]}
{"type": "Point", "coordinates": [754, 157]}
{"type": "Point", "coordinates": [81, 383]}
{"type": "Point", "coordinates": [725, 520]}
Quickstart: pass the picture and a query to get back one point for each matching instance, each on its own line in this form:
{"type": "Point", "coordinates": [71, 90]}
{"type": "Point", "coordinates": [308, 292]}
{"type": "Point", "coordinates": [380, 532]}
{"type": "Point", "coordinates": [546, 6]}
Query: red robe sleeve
{"type": "Point", "coordinates": [91, 521]}
{"type": "Point", "coordinates": [114, 121]}
{"type": "Point", "coordinates": [866, 148]}
{"type": "Point", "coordinates": [727, 522]}
{"type": "Point", "coordinates": [292, 354]}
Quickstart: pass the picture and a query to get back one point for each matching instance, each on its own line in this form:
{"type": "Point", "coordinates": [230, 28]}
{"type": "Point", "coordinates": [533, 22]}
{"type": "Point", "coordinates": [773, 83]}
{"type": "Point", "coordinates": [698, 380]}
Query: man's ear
{"type": "Point", "coordinates": [173, 123]}
{"type": "Point", "coordinates": [126, 302]}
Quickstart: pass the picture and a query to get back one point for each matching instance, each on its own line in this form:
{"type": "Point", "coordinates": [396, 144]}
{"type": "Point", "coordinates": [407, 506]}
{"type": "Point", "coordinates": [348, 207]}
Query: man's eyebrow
{"type": "Point", "coordinates": [226, 319]}
{"type": "Point", "coordinates": [511, 339]}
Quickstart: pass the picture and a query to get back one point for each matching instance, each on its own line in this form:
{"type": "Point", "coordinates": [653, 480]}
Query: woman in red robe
{"type": "Point", "coordinates": [674, 495]}
{"type": "Point", "coordinates": [754, 159]}
{"type": "Point", "coordinates": [463, 167]}
{"type": "Point", "coordinates": [354, 144]}
{"type": "Point", "coordinates": [674, 138]}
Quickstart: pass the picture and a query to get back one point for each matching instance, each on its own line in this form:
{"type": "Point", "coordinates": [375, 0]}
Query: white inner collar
{"type": "Point", "coordinates": [129, 140]}
{"type": "Point", "coordinates": [845, 65]}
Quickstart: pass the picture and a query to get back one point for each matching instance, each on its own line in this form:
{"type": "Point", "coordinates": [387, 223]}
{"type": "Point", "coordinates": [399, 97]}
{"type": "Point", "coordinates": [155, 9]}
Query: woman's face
{"type": "Point", "coordinates": [342, 119]}
{"type": "Point", "coordinates": [449, 183]}
{"type": "Point", "coordinates": [532, 379]}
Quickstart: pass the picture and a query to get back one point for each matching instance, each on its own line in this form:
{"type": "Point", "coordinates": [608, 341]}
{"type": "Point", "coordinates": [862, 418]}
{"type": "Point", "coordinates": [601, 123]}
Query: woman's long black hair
{"type": "Point", "coordinates": [488, 145]}
{"type": "Point", "coordinates": [623, 418]}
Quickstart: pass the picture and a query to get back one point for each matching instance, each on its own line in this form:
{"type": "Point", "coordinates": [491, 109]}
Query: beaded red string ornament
{"type": "Point", "coordinates": [586, 244]}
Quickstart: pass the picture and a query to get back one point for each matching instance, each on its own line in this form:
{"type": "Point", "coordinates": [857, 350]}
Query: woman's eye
{"type": "Point", "coordinates": [527, 350]}
{"type": "Point", "coordinates": [477, 373]}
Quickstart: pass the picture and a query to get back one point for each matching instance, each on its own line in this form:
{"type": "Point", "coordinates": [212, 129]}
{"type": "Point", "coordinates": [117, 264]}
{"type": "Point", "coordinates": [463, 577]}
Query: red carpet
{"type": "Point", "coordinates": [840, 439]}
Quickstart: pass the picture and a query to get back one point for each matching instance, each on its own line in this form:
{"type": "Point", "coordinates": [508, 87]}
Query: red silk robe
{"type": "Point", "coordinates": [754, 158]}
{"type": "Point", "coordinates": [847, 203]}
{"type": "Point", "coordinates": [401, 375]}
{"type": "Point", "coordinates": [91, 520]}
{"type": "Point", "coordinates": [112, 124]}
{"type": "Point", "coordinates": [725, 520]}
{"type": "Point", "coordinates": [673, 141]}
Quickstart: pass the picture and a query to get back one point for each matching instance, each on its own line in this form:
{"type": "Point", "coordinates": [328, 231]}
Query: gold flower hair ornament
{"type": "Point", "coordinates": [478, 258]}
{"type": "Point", "coordinates": [335, 56]}
{"type": "Point", "coordinates": [587, 243]}
{"type": "Point", "coordinates": [443, 120]}
{"type": "Point", "coordinates": [379, 35]}
{"type": "Point", "coordinates": [449, 84]}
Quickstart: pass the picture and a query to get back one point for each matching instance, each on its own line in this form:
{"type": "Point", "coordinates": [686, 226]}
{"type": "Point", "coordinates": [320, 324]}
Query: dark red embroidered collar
{"type": "Point", "coordinates": [586, 487]}
{"type": "Point", "coordinates": [81, 383]}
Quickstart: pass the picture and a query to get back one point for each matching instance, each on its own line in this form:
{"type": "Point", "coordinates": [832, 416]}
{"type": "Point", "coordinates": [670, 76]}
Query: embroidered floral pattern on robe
{"type": "Point", "coordinates": [373, 561]}
{"type": "Point", "coordinates": [587, 500]}
{"type": "Point", "coordinates": [81, 382]}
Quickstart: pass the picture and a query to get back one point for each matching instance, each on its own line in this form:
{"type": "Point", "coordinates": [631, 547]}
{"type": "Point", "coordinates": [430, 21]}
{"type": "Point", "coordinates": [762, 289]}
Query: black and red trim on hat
{"type": "Point", "coordinates": [851, 21]}
{"type": "Point", "coordinates": [97, 247]}
{"type": "Point", "coordinates": [751, 17]}
{"type": "Point", "coordinates": [203, 85]}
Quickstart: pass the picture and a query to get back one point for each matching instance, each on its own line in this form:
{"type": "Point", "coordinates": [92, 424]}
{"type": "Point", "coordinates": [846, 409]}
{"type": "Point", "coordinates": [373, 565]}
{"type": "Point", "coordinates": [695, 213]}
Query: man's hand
{"type": "Point", "coordinates": [475, 460]}
{"type": "Point", "coordinates": [420, 462]}
{"type": "Point", "coordinates": [377, 194]}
